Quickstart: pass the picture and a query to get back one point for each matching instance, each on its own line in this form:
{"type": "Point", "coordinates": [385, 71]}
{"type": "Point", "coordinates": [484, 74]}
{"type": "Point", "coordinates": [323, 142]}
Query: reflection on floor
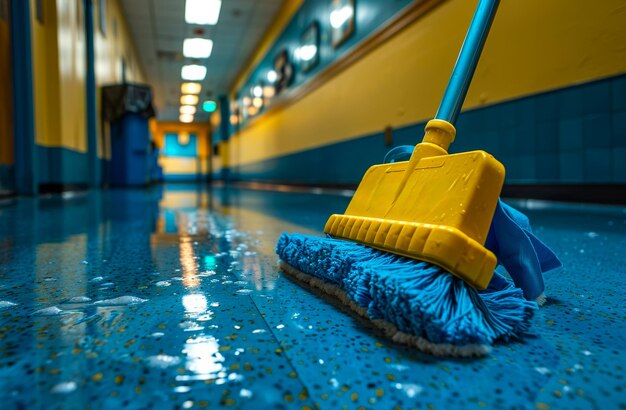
{"type": "Point", "coordinates": [170, 298]}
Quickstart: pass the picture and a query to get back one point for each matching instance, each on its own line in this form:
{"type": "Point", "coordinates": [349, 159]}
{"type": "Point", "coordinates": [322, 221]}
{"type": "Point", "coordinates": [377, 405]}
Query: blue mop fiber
{"type": "Point", "coordinates": [422, 305]}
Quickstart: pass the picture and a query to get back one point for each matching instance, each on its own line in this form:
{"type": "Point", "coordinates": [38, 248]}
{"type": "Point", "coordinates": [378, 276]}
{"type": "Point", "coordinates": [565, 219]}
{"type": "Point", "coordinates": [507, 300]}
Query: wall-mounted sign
{"type": "Point", "coordinates": [341, 21]}
{"type": "Point", "coordinates": [284, 71]}
{"type": "Point", "coordinates": [308, 51]}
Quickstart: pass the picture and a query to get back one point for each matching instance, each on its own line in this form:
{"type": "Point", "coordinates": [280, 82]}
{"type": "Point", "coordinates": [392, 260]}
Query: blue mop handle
{"type": "Point", "coordinates": [466, 63]}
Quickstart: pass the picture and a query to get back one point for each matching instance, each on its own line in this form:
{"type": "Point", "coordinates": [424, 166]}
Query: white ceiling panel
{"type": "Point", "coordinates": [158, 28]}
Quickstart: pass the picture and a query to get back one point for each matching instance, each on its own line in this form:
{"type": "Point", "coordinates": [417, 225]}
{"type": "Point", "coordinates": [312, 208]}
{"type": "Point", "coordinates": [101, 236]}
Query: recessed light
{"type": "Point", "coordinates": [186, 118]}
{"type": "Point", "coordinates": [190, 88]}
{"type": "Point", "coordinates": [189, 99]}
{"type": "Point", "coordinates": [197, 47]}
{"type": "Point", "coordinates": [187, 109]}
{"type": "Point", "coordinates": [202, 11]}
{"type": "Point", "coordinates": [193, 72]}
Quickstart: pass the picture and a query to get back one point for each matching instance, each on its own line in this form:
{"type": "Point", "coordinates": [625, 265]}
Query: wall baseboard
{"type": "Point", "coordinates": [60, 188]}
{"type": "Point", "coordinates": [613, 194]}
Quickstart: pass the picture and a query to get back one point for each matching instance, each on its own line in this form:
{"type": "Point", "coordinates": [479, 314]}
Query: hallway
{"type": "Point", "coordinates": [170, 297]}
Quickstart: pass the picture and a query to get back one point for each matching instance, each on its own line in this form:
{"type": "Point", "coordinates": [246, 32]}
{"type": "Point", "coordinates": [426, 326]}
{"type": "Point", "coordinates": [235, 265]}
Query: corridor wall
{"type": "Point", "coordinates": [59, 67]}
{"type": "Point", "coordinates": [548, 97]}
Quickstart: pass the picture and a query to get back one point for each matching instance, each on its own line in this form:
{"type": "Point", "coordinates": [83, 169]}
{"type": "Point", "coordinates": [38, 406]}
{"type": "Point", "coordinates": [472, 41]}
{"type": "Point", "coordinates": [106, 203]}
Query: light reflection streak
{"type": "Point", "coordinates": [203, 359]}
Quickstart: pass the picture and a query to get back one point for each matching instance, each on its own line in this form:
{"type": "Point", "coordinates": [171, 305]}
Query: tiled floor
{"type": "Point", "coordinates": [170, 298]}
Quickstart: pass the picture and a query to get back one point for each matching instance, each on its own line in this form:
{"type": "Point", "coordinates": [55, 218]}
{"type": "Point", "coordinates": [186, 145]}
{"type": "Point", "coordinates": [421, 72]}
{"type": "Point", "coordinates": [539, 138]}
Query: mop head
{"type": "Point", "coordinates": [411, 302]}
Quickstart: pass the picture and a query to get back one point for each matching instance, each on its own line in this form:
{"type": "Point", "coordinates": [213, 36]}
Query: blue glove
{"type": "Point", "coordinates": [519, 251]}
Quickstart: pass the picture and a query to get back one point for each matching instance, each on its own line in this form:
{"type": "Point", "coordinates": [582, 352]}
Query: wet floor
{"type": "Point", "coordinates": [170, 298]}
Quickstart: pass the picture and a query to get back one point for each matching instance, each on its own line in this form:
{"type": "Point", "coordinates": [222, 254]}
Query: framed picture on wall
{"type": "Point", "coordinates": [284, 71]}
{"type": "Point", "coordinates": [341, 21]}
{"type": "Point", "coordinates": [308, 51]}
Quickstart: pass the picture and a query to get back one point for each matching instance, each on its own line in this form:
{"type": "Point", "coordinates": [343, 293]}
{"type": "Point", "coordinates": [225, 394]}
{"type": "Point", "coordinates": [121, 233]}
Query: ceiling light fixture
{"type": "Point", "coordinates": [202, 11]}
{"type": "Point", "coordinates": [186, 118]}
{"type": "Point", "coordinates": [190, 88]}
{"type": "Point", "coordinates": [189, 99]}
{"type": "Point", "coordinates": [193, 72]}
{"type": "Point", "coordinates": [197, 47]}
{"type": "Point", "coordinates": [187, 109]}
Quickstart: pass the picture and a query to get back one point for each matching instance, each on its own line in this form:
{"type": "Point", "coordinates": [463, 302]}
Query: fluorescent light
{"type": "Point", "coordinates": [209, 106]}
{"type": "Point", "coordinates": [202, 11]}
{"type": "Point", "coordinates": [272, 76]}
{"type": "Point", "coordinates": [339, 17]}
{"type": "Point", "coordinates": [189, 99]}
{"type": "Point", "coordinates": [186, 118]}
{"type": "Point", "coordinates": [187, 109]}
{"type": "Point", "coordinates": [197, 47]}
{"type": "Point", "coordinates": [190, 88]}
{"type": "Point", "coordinates": [193, 72]}
{"type": "Point", "coordinates": [257, 91]}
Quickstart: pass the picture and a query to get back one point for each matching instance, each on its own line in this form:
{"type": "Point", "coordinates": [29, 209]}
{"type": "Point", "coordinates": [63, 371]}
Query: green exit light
{"type": "Point", "coordinates": [209, 106]}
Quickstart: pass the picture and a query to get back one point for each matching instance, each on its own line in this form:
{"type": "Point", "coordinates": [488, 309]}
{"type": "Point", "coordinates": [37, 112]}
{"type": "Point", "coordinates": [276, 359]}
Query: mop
{"type": "Point", "coordinates": [416, 250]}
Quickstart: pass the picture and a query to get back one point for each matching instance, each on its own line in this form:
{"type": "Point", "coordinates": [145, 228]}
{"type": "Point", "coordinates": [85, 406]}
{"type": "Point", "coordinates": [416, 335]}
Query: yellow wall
{"type": "Point", "coordinates": [72, 74]}
{"type": "Point", "coordinates": [6, 99]}
{"type": "Point", "coordinates": [59, 69]}
{"type": "Point", "coordinates": [46, 75]}
{"type": "Point", "coordinates": [534, 46]}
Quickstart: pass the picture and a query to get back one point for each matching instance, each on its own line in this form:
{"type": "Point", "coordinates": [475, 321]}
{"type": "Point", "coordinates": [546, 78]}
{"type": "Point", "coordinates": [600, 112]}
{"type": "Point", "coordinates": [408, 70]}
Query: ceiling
{"type": "Point", "coordinates": [158, 29]}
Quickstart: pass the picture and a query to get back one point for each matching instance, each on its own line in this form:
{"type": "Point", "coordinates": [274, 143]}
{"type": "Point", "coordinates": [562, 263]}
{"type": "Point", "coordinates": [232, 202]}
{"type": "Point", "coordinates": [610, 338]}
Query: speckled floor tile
{"type": "Point", "coordinates": [170, 298]}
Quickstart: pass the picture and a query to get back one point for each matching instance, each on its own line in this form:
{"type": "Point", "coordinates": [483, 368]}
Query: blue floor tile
{"type": "Point", "coordinates": [170, 298]}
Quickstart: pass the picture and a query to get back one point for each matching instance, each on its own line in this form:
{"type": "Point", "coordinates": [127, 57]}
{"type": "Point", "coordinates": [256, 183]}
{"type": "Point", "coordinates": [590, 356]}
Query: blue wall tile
{"type": "Point", "coordinates": [547, 167]}
{"type": "Point", "coordinates": [528, 168]}
{"type": "Point", "coordinates": [597, 164]}
{"type": "Point", "coordinates": [571, 102]}
{"type": "Point", "coordinates": [618, 128]}
{"type": "Point", "coordinates": [61, 166]}
{"type": "Point", "coordinates": [571, 166]}
{"type": "Point", "coordinates": [597, 131]}
{"type": "Point", "coordinates": [619, 165]}
{"type": "Point", "coordinates": [546, 107]}
{"type": "Point", "coordinates": [7, 177]}
{"type": "Point", "coordinates": [547, 137]}
{"type": "Point", "coordinates": [571, 134]}
{"type": "Point", "coordinates": [618, 93]}
{"type": "Point", "coordinates": [596, 97]}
